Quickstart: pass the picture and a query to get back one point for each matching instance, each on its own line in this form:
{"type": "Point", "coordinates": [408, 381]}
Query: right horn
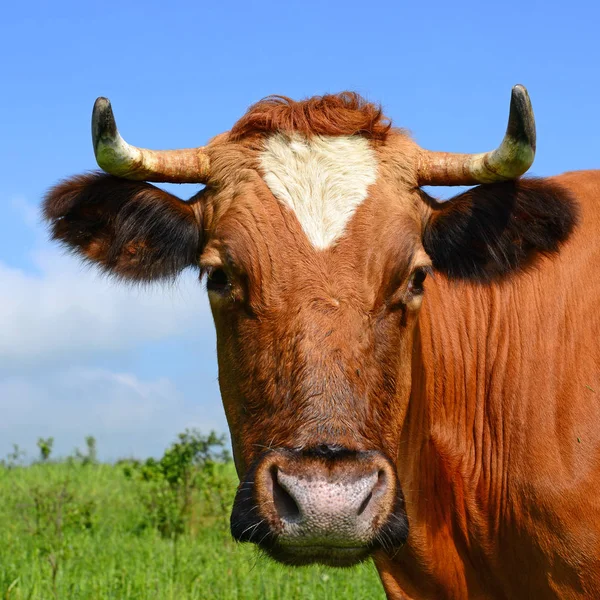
{"type": "Point", "coordinates": [115, 156]}
{"type": "Point", "coordinates": [510, 160]}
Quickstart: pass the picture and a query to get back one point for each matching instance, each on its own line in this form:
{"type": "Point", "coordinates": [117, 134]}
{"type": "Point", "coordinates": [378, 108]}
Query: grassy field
{"type": "Point", "coordinates": [70, 530]}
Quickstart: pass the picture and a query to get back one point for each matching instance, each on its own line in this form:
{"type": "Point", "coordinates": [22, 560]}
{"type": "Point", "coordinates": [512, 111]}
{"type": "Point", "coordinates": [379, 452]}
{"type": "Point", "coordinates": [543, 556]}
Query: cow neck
{"type": "Point", "coordinates": [467, 348]}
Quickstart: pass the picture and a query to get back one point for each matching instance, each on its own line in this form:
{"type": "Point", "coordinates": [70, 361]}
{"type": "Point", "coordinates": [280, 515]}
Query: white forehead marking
{"type": "Point", "coordinates": [323, 179]}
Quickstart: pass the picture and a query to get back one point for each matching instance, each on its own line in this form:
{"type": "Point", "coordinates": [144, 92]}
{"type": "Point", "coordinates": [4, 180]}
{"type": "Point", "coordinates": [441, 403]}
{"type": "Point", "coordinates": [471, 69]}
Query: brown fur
{"type": "Point", "coordinates": [503, 415]}
{"type": "Point", "coordinates": [132, 229]}
{"type": "Point", "coordinates": [332, 114]}
{"type": "Point", "coordinates": [485, 399]}
{"type": "Point", "coordinates": [491, 231]}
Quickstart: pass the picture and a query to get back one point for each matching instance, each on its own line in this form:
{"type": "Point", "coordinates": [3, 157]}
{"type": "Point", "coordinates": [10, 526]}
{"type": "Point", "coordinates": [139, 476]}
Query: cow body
{"type": "Point", "coordinates": [503, 426]}
{"type": "Point", "coordinates": [447, 426]}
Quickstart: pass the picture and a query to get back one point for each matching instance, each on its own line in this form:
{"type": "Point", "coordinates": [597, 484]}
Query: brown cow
{"type": "Point", "coordinates": [363, 400]}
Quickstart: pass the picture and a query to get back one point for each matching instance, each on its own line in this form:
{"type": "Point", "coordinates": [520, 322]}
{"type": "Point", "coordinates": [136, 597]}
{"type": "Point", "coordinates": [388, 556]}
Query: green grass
{"type": "Point", "coordinates": [70, 531]}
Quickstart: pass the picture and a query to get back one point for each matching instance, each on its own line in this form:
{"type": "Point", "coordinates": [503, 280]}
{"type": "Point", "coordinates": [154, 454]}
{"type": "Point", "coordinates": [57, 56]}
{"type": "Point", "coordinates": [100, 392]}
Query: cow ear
{"type": "Point", "coordinates": [494, 229]}
{"type": "Point", "coordinates": [130, 229]}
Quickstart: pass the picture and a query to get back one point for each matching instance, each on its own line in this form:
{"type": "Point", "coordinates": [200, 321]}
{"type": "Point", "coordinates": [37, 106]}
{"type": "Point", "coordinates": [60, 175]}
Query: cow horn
{"type": "Point", "coordinates": [115, 156]}
{"type": "Point", "coordinates": [510, 160]}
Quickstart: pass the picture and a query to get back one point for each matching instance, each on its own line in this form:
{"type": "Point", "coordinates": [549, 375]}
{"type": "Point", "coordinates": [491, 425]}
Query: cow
{"type": "Point", "coordinates": [406, 379]}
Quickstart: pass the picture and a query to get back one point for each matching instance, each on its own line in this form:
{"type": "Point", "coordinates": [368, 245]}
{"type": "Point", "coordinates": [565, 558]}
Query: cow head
{"type": "Point", "coordinates": [315, 238]}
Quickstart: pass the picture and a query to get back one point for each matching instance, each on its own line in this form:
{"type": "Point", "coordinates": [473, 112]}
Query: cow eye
{"type": "Point", "coordinates": [217, 281]}
{"type": "Point", "coordinates": [415, 285]}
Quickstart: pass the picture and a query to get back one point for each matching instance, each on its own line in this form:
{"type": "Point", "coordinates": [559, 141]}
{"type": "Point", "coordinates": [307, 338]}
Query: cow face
{"type": "Point", "coordinates": [315, 272]}
{"type": "Point", "coordinates": [315, 239]}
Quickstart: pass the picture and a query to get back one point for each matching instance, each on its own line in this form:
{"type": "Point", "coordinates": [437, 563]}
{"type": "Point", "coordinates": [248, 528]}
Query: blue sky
{"type": "Point", "coordinates": [81, 355]}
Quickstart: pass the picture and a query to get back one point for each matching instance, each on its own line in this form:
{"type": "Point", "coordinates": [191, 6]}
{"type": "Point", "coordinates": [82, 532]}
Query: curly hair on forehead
{"type": "Point", "coordinates": [346, 113]}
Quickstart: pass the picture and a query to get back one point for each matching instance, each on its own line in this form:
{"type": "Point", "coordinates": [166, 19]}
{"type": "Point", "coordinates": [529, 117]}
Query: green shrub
{"type": "Point", "coordinates": [45, 446]}
{"type": "Point", "coordinates": [188, 468]}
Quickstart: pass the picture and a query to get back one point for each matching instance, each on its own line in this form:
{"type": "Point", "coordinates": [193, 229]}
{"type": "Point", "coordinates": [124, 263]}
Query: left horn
{"type": "Point", "coordinates": [115, 156]}
{"type": "Point", "coordinates": [510, 160]}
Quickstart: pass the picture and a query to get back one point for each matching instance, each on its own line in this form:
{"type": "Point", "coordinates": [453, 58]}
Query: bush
{"type": "Point", "coordinates": [45, 446]}
{"type": "Point", "coordinates": [188, 467]}
{"type": "Point", "coordinates": [51, 512]}
{"type": "Point", "coordinates": [14, 459]}
{"type": "Point", "coordinates": [89, 457]}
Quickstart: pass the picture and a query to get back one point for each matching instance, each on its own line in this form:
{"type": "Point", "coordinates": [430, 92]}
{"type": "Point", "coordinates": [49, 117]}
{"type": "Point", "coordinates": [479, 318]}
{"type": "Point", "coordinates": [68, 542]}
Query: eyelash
{"type": "Point", "coordinates": [217, 281]}
{"type": "Point", "coordinates": [415, 285]}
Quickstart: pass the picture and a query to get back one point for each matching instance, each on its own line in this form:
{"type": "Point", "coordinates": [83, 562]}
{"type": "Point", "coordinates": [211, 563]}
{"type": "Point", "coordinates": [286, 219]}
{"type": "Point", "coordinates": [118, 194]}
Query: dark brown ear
{"type": "Point", "coordinates": [494, 229]}
{"type": "Point", "coordinates": [131, 229]}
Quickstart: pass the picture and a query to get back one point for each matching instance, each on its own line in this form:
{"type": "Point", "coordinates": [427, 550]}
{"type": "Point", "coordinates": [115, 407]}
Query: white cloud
{"type": "Point", "coordinates": [61, 324]}
{"type": "Point", "coordinates": [66, 309]}
{"type": "Point", "coordinates": [127, 415]}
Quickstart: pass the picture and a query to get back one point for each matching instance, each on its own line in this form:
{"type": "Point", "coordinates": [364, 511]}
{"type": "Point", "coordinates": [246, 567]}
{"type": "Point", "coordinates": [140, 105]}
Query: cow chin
{"type": "Point", "coordinates": [330, 556]}
{"type": "Point", "coordinates": [333, 507]}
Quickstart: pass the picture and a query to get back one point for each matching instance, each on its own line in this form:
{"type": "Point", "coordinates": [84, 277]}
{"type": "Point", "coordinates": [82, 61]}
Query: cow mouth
{"type": "Point", "coordinates": [302, 509]}
{"type": "Point", "coordinates": [330, 556]}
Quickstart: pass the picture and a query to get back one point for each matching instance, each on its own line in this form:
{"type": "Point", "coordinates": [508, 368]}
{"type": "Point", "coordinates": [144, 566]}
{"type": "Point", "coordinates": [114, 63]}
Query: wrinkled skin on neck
{"type": "Point", "coordinates": [503, 500]}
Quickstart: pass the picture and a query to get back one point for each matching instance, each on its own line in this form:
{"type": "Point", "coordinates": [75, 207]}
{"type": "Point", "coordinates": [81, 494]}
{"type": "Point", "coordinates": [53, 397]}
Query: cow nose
{"type": "Point", "coordinates": [322, 510]}
{"type": "Point", "coordinates": [314, 504]}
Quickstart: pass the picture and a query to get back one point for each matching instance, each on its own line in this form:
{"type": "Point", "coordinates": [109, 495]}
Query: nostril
{"type": "Point", "coordinates": [381, 485]}
{"type": "Point", "coordinates": [364, 504]}
{"type": "Point", "coordinates": [377, 490]}
{"type": "Point", "coordinates": [285, 505]}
